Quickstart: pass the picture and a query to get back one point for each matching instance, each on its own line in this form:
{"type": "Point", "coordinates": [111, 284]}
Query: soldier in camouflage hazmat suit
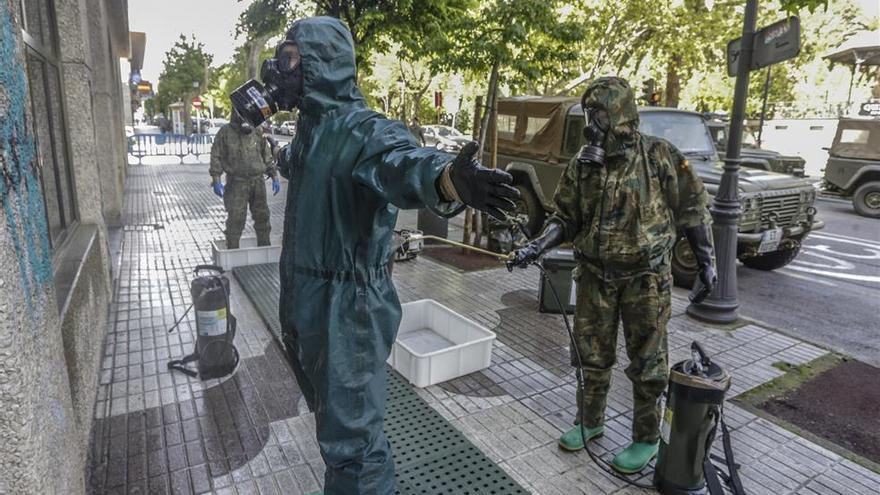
{"type": "Point", "coordinates": [244, 155]}
{"type": "Point", "coordinates": [623, 219]}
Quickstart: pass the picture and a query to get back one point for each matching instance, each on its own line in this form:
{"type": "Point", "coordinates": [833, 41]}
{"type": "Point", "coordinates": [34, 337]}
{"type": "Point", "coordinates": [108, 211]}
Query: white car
{"type": "Point", "coordinates": [445, 138]}
{"type": "Point", "coordinates": [288, 127]}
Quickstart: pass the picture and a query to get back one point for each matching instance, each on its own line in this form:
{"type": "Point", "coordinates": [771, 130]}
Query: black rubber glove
{"type": "Point", "coordinates": [700, 240]}
{"type": "Point", "coordinates": [485, 189]}
{"type": "Point", "coordinates": [552, 236]}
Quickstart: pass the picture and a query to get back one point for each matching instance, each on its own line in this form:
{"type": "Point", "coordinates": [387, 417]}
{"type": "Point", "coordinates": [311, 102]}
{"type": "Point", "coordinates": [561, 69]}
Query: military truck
{"type": "Point", "coordinates": [752, 155]}
{"type": "Point", "coordinates": [853, 167]}
{"type": "Point", "coordinates": [537, 136]}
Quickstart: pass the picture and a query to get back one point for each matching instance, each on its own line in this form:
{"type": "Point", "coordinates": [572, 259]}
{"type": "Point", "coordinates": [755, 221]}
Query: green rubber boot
{"type": "Point", "coordinates": [572, 440]}
{"type": "Point", "coordinates": [635, 457]}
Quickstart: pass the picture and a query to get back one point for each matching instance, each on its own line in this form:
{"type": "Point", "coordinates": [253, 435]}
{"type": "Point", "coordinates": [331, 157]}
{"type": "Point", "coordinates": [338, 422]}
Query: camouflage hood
{"type": "Point", "coordinates": [616, 97]}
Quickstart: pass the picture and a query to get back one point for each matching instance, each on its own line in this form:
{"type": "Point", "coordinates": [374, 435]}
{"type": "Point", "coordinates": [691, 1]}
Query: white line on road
{"type": "Point", "coordinates": [843, 276]}
{"type": "Point", "coordinates": [845, 238]}
{"type": "Point", "coordinates": [785, 272]}
{"type": "Point", "coordinates": [875, 253]}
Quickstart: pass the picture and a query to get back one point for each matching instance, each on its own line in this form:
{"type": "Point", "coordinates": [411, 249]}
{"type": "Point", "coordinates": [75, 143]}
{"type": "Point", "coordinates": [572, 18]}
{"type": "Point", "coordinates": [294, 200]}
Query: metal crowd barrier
{"type": "Point", "coordinates": [172, 145]}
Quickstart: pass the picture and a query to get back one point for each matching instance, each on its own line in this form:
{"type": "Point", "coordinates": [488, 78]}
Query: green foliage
{"type": "Point", "coordinates": [263, 17]}
{"type": "Point", "coordinates": [375, 24]}
{"type": "Point", "coordinates": [262, 21]}
{"type": "Point", "coordinates": [186, 62]}
{"type": "Point", "coordinates": [793, 6]}
{"type": "Point", "coordinates": [532, 41]}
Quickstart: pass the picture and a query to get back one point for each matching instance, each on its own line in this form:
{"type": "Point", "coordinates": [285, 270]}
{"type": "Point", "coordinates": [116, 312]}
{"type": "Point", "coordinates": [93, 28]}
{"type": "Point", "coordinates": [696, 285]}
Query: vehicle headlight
{"type": "Point", "coordinates": [751, 207]}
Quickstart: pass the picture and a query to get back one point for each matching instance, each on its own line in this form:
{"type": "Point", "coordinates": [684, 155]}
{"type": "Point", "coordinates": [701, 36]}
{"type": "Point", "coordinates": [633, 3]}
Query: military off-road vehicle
{"type": "Point", "coordinates": [752, 155]}
{"type": "Point", "coordinates": [537, 136]}
{"type": "Point", "coordinates": [853, 168]}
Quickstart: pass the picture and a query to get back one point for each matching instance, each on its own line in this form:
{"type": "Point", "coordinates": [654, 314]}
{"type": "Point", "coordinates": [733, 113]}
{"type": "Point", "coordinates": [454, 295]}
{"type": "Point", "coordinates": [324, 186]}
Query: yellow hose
{"type": "Point", "coordinates": [502, 257]}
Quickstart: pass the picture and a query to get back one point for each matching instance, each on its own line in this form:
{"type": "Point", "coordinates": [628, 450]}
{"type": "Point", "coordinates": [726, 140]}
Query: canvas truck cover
{"type": "Point", "coordinates": [857, 139]}
{"type": "Point", "coordinates": [533, 127]}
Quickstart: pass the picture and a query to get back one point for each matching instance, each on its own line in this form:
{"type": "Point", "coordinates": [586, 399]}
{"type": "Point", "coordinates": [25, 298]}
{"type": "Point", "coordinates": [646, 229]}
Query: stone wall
{"type": "Point", "coordinates": [54, 299]}
{"type": "Point", "coordinates": [36, 413]}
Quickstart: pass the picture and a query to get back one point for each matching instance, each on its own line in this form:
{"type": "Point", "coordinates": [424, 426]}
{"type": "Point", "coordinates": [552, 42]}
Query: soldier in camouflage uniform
{"type": "Point", "coordinates": [623, 218]}
{"type": "Point", "coordinates": [243, 154]}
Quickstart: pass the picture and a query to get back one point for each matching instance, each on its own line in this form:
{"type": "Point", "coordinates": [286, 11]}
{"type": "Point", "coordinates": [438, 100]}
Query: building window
{"type": "Point", "coordinates": [44, 84]}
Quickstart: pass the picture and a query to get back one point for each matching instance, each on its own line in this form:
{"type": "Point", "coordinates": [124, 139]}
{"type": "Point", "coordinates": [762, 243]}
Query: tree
{"type": "Point", "coordinates": [376, 24]}
{"type": "Point", "coordinates": [517, 41]}
{"type": "Point", "coordinates": [184, 75]}
{"type": "Point", "coordinates": [260, 22]}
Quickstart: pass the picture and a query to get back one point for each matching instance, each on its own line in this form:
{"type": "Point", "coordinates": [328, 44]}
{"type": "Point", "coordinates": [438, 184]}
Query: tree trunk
{"type": "Point", "coordinates": [187, 121]}
{"type": "Point", "coordinates": [491, 98]}
{"type": "Point", "coordinates": [255, 48]}
{"type": "Point", "coordinates": [475, 134]}
{"type": "Point", "coordinates": [673, 82]}
{"type": "Point", "coordinates": [490, 104]}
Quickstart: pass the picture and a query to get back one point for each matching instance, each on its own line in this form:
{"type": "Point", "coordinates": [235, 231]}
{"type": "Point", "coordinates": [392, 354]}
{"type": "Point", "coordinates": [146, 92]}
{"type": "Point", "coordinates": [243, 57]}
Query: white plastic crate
{"type": "Point", "coordinates": [248, 253]}
{"type": "Point", "coordinates": [435, 344]}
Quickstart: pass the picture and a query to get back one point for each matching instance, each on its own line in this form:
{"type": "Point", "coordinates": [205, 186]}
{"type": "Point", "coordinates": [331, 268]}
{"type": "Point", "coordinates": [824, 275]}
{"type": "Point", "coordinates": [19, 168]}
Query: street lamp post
{"type": "Point", "coordinates": [721, 306]}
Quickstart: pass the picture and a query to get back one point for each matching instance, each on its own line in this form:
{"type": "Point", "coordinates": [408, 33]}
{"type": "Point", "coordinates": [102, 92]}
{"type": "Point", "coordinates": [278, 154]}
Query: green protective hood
{"type": "Point", "coordinates": [614, 95]}
{"type": "Point", "coordinates": [328, 64]}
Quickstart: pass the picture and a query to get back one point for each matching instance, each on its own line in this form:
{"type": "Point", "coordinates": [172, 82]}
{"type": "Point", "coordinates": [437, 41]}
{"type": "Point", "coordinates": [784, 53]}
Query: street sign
{"type": "Point", "coordinates": [734, 48]}
{"type": "Point", "coordinates": [870, 108]}
{"type": "Point", "coordinates": [774, 43]}
{"type": "Point", "coordinates": [777, 42]}
{"type": "Point", "coordinates": [197, 102]}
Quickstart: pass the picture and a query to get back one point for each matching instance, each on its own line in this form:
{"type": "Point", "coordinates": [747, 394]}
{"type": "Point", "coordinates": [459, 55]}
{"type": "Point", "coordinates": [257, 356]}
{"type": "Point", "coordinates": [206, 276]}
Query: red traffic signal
{"type": "Point", "coordinates": [438, 99]}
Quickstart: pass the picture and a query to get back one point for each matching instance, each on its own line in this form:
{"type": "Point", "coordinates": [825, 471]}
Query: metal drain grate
{"type": "Point", "coordinates": [431, 456]}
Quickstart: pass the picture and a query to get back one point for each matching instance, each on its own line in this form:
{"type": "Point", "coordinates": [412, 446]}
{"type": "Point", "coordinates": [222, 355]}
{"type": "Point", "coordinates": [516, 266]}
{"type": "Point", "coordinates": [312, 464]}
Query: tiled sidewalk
{"type": "Point", "coordinates": [158, 432]}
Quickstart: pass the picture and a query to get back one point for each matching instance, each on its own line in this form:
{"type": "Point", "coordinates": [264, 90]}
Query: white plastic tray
{"type": "Point", "coordinates": [247, 253]}
{"type": "Point", "coordinates": [435, 344]}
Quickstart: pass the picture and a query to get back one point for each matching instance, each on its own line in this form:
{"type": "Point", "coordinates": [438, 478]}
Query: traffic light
{"type": "Point", "coordinates": [650, 95]}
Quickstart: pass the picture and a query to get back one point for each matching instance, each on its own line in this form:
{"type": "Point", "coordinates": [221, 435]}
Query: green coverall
{"type": "Point", "coordinates": [623, 220]}
{"type": "Point", "coordinates": [246, 160]}
{"type": "Point", "coordinates": [349, 170]}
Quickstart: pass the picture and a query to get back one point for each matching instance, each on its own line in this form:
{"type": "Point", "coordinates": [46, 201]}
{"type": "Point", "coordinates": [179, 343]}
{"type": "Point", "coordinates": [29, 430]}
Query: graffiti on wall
{"type": "Point", "coordinates": [20, 191]}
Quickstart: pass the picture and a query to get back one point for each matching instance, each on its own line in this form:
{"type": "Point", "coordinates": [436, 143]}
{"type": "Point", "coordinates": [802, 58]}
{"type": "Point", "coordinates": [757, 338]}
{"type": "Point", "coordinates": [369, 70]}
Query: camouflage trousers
{"type": "Point", "coordinates": [643, 304]}
{"type": "Point", "coordinates": [238, 193]}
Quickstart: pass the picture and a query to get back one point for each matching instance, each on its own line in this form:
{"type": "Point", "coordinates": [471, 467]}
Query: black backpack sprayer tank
{"type": "Point", "coordinates": [694, 411]}
{"type": "Point", "coordinates": [215, 326]}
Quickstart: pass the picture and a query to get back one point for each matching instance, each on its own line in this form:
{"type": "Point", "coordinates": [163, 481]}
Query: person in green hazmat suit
{"type": "Point", "coordinates": [242, 153]}
{"type": "Point", "coordinates": [623, 202]}
{"type": "Point", "coordinates": [350, 169]}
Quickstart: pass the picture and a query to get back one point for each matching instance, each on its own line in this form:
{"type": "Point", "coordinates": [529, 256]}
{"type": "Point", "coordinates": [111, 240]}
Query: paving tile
{"type": "Point", "coordinates": [164, 432]}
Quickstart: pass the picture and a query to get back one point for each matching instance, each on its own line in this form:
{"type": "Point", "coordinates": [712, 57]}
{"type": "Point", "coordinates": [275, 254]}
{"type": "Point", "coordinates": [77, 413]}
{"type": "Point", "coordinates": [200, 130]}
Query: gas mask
{"type": "Point", "coordinates": [596, 131]}
{"type": "Point", "coordinates": [240, 125]}
{"type": "Point", "coordinates": [281, 89]}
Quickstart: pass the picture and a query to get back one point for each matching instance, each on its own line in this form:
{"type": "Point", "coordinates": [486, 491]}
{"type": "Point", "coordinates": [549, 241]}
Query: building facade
{"type": "Point", "coordinates": [62, 167]}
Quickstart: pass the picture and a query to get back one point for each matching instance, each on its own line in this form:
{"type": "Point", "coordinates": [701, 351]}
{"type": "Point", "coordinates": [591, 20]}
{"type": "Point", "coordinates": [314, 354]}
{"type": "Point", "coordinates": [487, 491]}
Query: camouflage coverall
{"type": "Point", "coordinates": [245, 159]}
{"type": "Point", "coordinates": [623, 220]}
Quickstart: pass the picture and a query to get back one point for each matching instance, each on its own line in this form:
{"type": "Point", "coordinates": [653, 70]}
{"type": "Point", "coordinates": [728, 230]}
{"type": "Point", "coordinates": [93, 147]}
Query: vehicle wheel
{"type": "Point", "coordinates": [684, 264]}
{"type": "Point", "coordinates": [774, 260]}
{"type": "Point", "coordinates": [530, 209]}
{"type": "Point", "coordinates": [866, 200]}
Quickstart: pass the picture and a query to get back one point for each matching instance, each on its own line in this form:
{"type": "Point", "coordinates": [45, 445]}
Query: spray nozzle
{"type": "Point", "coordinates": [700, 362]}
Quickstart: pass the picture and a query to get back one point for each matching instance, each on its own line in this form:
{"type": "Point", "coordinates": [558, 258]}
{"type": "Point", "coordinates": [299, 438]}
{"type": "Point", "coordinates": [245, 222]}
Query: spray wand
{"type": "Point", "coordinates": [508, 259]}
